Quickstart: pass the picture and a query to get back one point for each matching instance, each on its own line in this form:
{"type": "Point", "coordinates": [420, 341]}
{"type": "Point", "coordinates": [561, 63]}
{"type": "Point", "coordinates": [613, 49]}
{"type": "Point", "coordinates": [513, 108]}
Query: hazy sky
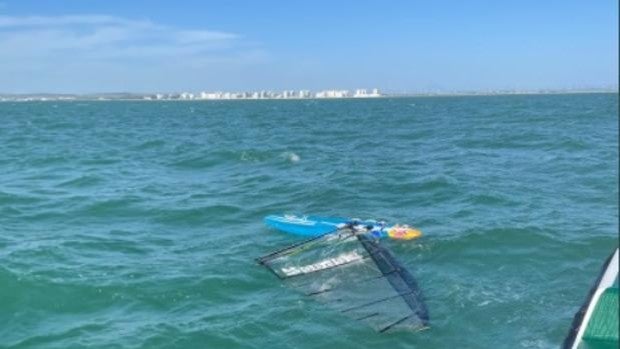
{"type": "Point", "coordinates": [85, 46]}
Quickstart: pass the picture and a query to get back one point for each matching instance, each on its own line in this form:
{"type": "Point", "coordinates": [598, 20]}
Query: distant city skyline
{"type": "Point", "coordinates": [99, 46]}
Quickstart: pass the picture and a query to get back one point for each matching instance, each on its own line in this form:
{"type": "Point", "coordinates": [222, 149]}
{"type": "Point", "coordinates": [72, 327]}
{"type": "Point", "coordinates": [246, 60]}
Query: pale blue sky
{"type": "Point", "coordinates": [399, 46]}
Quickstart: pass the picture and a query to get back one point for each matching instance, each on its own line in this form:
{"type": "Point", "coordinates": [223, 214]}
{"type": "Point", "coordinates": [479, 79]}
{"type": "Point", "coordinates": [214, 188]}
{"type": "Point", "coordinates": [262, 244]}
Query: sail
{"type": "Point", "coordinates": [354, 275]}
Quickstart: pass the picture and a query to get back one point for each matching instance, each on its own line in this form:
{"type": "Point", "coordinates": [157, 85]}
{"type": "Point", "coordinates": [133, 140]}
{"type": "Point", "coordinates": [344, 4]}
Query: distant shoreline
{"type": "Point", "coordinates": [146, 97]}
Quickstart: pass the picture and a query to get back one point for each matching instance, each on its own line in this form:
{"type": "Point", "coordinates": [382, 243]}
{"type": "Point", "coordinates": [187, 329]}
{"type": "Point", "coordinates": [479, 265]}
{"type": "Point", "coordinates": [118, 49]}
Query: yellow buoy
{"type": "Point", "coordinates": [403, 232]}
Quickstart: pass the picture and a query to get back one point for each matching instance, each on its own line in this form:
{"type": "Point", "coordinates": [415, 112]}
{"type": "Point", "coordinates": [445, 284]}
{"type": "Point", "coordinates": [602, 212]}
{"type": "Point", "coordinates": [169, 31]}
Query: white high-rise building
{"type": "Point", "coordinates": [332, 94]}
{"type": "Point", "coordinates": [288, 94]}
{"type": "Point", "coordinates": [360, 93]}
{"type": "Point", "coordinates": [186, 96]}
{"type": "Point", "coordinates": [363, 93]}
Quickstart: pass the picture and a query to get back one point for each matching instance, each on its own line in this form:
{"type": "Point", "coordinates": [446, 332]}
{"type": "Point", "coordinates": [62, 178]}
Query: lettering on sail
{"type": "Point", "coordinates": [325, 264]}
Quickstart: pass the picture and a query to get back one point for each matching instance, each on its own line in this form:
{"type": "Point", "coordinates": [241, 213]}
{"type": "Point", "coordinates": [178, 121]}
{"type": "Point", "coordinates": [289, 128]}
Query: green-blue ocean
{"type": "Point", "coordinates": [137, 224]}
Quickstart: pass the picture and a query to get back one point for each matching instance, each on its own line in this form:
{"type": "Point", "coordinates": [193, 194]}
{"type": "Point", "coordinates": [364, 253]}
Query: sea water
{"type": "Point", "coordinates": [136, 224]}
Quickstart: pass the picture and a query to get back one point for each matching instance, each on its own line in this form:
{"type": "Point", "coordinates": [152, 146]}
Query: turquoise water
{"type": "Point", "coordinates": [136, 224]}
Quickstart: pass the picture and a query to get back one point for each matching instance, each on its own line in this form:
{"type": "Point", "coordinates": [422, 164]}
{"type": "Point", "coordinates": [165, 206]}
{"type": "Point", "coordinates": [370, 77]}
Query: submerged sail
{"type": "Point", "coordinates": [355, 275]}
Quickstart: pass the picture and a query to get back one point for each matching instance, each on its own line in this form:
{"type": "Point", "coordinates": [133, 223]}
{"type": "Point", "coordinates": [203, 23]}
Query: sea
{"type": "Point", "coordinates": [136, 224]}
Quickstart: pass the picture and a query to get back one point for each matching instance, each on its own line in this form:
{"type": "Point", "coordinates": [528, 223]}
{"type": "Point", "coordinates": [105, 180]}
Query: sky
{"type": "Point", "coordinates": [91, 46]}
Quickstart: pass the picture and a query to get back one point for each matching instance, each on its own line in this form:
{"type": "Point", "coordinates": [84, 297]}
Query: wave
{"type": "Point", "coordinates": [84, 181]}
{"type": "Point", "coordinates": [148, 145]}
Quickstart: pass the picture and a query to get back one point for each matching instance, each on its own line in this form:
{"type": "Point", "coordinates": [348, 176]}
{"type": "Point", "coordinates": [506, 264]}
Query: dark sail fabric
{"type": "Point", "coordinates": [356, 276]}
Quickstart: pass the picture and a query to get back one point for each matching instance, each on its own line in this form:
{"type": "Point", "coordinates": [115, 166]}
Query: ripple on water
{"type": "Point", "coordinates": [84, 181]}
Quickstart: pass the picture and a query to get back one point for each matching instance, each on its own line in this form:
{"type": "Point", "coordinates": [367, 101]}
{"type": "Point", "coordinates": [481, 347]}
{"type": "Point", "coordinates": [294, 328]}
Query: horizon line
{"type": "Point", "coordinates": [609, 88]}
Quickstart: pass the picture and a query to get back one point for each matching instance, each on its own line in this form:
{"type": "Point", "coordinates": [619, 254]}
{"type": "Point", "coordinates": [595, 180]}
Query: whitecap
{"type": "Point", "coordinates": [292, 157]}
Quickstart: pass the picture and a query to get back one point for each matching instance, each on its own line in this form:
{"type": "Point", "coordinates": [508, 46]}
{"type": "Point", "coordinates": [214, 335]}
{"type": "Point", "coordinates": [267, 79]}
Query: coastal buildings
{"type": "Point", "coordinates": [286, 94]}
{"type": "Point", "coordinates": [333, 94]}
{"type": "Point", "coordinates": [362, 93]}
{"type": "Point", "coordinates": [186, 95]}
{"type": "Point", "coordinates": [204, 95]}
